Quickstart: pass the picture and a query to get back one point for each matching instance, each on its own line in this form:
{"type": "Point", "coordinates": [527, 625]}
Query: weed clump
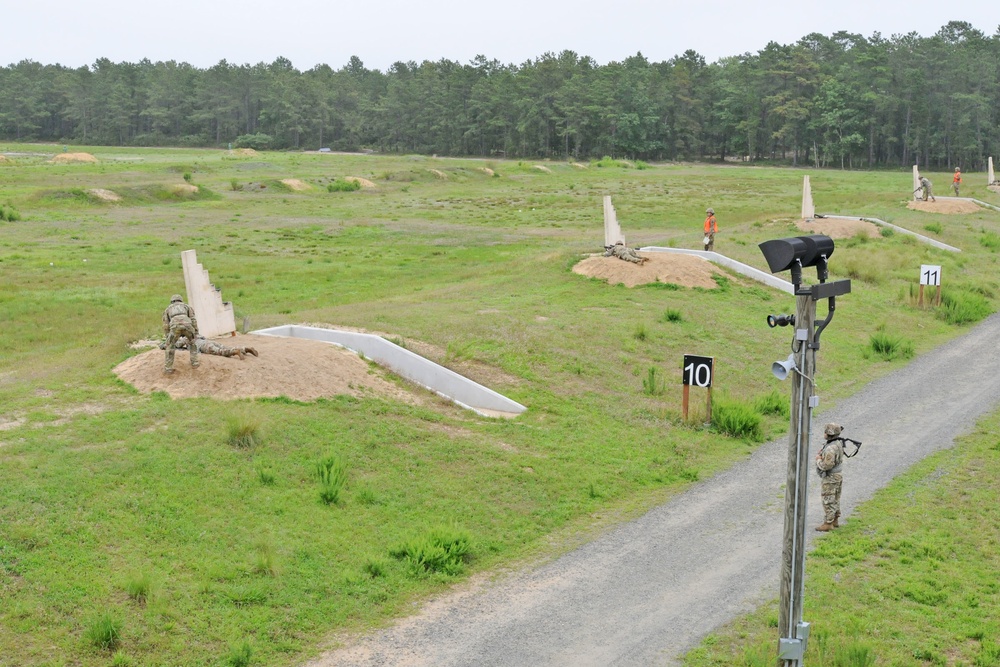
{"type": "Point", "coordinates": [442, 550]}
{"type": "Point", "coordinates": [243, 431]}
{"type": "Point", "coordinates": [331, 471]}
{"type": "Point", "coordinates": [343, 186]}
{"type": "Point", "coordinates": [139, 587]}
{"type": "Point", "coordinates": [651, 385]}
{"type": "Point", "coordinates": [888, 347]}
{"type": "Point", "coordinates": [104, 631]}
{"type": "Point", "coordinates": [737, 419]}
{"type": "Point", "coordinates": [240, 654]}
{"type": "Point", "coordinates": [960, 307]}
{"type": "Point", "coordinates": [9, 213]}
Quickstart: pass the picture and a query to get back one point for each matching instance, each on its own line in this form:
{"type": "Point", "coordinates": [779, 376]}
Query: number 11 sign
{"type": "Point", "coordinates": [930, 274]}
{"type": "Point", "coordinates": [697, 371]}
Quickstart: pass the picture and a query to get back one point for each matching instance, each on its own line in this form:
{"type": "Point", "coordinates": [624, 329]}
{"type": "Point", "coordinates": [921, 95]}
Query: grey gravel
{"type": "Point", "coordinates": [652, 589]}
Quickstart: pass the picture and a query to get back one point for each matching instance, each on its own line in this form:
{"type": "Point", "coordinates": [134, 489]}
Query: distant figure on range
{"type": "Point", "coordinates": [711, 227]}
{"type": "Point", "coordinates": [925, 188]}
{"type": "Point", "coordinates": [956, 181]}
{"type": "Point", "coordinates": [829, 460]}
{"type": "Point", "coordinates": [179, 320]}
{"type": "Point", "coordinates": [622, 251]}
{"type": "Point", "coordinates": [205, 346]}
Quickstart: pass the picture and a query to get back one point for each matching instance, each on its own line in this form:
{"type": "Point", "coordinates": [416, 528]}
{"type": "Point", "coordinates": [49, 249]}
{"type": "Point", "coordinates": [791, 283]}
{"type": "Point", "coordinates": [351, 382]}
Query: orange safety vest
{"type": "Point", "coordinates": [710, 225]}
{"type": "Point", "coordinates": [958, 177]}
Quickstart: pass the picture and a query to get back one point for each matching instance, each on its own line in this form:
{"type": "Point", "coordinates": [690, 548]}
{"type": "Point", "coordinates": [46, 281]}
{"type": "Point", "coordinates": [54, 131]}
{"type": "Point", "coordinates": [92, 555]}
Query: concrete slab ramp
{"type": "Point", "coordinates": [442, 381]}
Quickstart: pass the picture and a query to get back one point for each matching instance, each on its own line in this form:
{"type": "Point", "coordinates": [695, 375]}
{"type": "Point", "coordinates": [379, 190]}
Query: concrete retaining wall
{"type": "Point", "coordinates": [738, 267]}
{"type": "Point", "coordinates": [901, 230]}
{"type": "Point", "coordinates": [413, 367]}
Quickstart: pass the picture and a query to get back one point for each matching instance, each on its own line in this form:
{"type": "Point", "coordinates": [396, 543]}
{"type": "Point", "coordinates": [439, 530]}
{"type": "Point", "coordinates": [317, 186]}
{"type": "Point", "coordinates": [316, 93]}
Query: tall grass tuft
{"type": "Point", "coordinates": [331, 471]}
{"type": "Point", "coordinates": [243, 431]}
{"type": "Point", "coordinates": [442, 550]}
{"type": "Point", "coordinates": [139, 587]}
{"type": "Point", "coordinates": [9, 213]}
{"type": "Point", "coordinates": [737, 419]}
{"type": "Point", "coordinates": [104, 631]}
{"type": "Point", "coordinates": [773, 403]}
{"type": "Point", "coordinates": [266, 476]}
{"type": "Point", "coordinates": [990, 240]}
{"type": "Point", "coordinates": [343, 186]}
{"type": "Point", "coordinates": [240, 654]}
{"type": "Point", "coordinates": [673, 316]}
{"type": "Point", "coordinates": [265, 559]}
{"type": "Point", "coordinates": [960, 307]}
{"type": "Point", "coordinates": [640, 332]}
{"type": "Point", "coordinates": [651, 385]}
{"type": "Point", "coordinates": [888, 347]}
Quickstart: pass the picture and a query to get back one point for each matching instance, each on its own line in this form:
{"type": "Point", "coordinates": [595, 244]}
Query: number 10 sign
{"type": "Point", "coordinates": [697, 371]}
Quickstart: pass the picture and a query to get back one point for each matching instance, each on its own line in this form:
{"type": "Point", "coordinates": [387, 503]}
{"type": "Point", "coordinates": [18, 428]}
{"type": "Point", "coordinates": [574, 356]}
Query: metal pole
{"type": "Point", "coordinates": [791, 645]}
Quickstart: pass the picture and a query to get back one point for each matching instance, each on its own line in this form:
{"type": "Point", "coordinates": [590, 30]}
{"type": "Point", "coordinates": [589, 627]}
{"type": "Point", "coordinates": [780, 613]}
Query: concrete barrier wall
{"type": "Point", "coordinates": [901, 230]}
{"type": "Point", "coordinates": [413, 367]}
{"type": "Point", "coordinates": [612, 230]}
{"type": "Point", "coordinates": [215, 316]}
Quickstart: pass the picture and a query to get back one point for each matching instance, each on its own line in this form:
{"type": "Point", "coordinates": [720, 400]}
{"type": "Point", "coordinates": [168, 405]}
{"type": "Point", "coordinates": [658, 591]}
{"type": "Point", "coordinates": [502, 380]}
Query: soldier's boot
{"type": "Point", "coordinates": [836, 520]}
{"type": "Point", "coordinates": [168, 371]}
{"type": "Point", "coordinates": [239, 353]}
{"type": "Point", "coordinates": [252, 351]}
{"type": "Point", "coordinates": [824, 527]}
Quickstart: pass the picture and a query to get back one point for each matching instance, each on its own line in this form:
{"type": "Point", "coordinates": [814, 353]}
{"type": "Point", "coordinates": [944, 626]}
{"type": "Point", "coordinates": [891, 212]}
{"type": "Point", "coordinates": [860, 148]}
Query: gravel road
{"type": "Point", "coordinates": [650, 590]}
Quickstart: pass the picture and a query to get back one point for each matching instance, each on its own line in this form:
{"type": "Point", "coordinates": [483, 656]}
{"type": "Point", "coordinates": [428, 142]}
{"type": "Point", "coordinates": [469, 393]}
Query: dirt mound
{"type": "Point", "coordinates": [295, 184]}
{"type": "Point", "coordinates": [243, 152]}
{"type": "Point", "coordinates": [542, 167]}
{"type": "Point", "coordinates": [365, 183]}
{"type": "Point", "coordinates": [838, 229]}
{"type": "Point", "coordinates": [579, 165]}
{"type": "Point", "coordinates": [946, 206]}
{"type": "Point", "coordinates": [485, 170]}
{"type": "Point", "coordinates": [993, 188]}
{"type": "Point", "coordinates": [683, 270]}
{"type": "Point", "coordinates": [303, 370]}
{"type": "Point", "coordinates": [3, 159]}
{"type": "Point", "coordinates": [65, 158]}
{"type": "Point", "coordinates": [104, 195]}
{"type": "Point", "coordinates": [183, 189]}
{"type": "Point", "coordinates": [440, 174]}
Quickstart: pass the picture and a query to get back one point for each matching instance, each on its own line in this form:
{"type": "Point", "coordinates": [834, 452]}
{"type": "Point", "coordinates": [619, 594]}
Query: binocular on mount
{"type": "Point", "coordinates": [797, 252]}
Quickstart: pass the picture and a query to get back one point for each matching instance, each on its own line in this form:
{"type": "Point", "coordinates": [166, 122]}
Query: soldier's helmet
{"type": "Point", "coordinates": [832, 430]}
{"type": "Point", "coordinates": [176, 297]}
{"type": "Point", "coordinates": [957, 169]}
{"type": "Point", "coordinates": [710, 211]}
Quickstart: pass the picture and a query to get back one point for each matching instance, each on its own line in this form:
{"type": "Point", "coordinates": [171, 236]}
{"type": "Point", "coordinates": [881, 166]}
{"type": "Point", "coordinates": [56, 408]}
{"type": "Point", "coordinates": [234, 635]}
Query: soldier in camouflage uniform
{"type": "Point", "coordinates": [179, 320]}
{"type": "Point", "coordinates": [206, 346]}
{"type": "Point", "coordinates": [829, 460]}
{"type": "Point", "coordinates": [621, 251]}
{"type": "Point", "coordinates": [926, 188]}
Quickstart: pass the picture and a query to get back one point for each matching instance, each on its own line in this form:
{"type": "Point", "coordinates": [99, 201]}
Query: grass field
{"type": "Point", "coordinates": [133, 532]}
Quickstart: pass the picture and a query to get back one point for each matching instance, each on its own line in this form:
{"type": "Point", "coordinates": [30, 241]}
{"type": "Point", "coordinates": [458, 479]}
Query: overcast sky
{"type": "Point", "coordinates": [310, 32]}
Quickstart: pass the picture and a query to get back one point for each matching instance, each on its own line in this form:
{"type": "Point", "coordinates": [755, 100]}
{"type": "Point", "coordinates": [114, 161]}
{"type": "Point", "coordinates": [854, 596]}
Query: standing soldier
{"type": "Point", "coordinates": [711, 227]}
{"type": "Point", "coordinates": [956, 180]}
{"type": "Point", "coordinates": [179, 320]}
{"type": "Point", "coordinates": [829, 460]}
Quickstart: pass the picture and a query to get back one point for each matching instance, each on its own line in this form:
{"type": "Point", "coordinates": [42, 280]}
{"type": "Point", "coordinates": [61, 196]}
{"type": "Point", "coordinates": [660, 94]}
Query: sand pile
{"type": "Point", "coordinates": [683, 270]}
{"type": "Point", "coordinates": [243, 152]}
{"type": "Point", "coordinates": [485, 170]}
{"type": "Point", "coordinates": [579, 165]}
{"type": "Point", "coordinates": [542, 167]}
{"type": "Point", "coordinates": [365, 183]}
{"type": "Point", "coordinates": [947, 206]}
{"type": "Point", "coordinates": [104, 195]}
{"type": "Point", "coordinates": [303, 370]}
{"type": "Point", "coordinates": [66, 158]}
{"type": "Point", "coordinates": [440, 174]}
{"type": "Point", "coordinates": [838, 229]}
{"type": "Point", "coordinates": [183, 189]}
{"type": "Point", "coordinates": [3, 159]}
{"type": "Point", "coordinates": [295, 184]}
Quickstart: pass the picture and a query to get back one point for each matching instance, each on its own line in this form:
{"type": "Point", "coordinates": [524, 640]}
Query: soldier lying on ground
{"type": "Point", "coordinates": [621, 251]}
{"type": "Point", "coordinates": [205, 346]}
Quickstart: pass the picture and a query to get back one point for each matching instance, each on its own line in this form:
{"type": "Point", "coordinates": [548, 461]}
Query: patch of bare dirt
{"type": "Point", "coordinates": [683, 270]}
{"type": "Point", "coordinates": [3, 159]}
{"type": "Point", "coordinates": [946, 206]}
{"type": "Point", "coordinates": [993, 188]}
{"type": "Point", "coordinates": [542, 167]}
{"type": "Point", "coordinates": [579, 165]}
{"type": "Point", "coordinates": [364, 182]}
{"type": "Point", "coordinates": [243, 152]}
{"type": "Point", "coordinates": [65, 158]}
{"type": "Point", "coordinates": [303, 370]}
{"type": "Point", "coordinates": [487, 171]}
{"type": "Point", "coordinates": [104, 195]}
{"type": "Point", "coordinates": [184, 189]}
{"type": "Point", "coordinates": [440, 174]}
{"type": "Point", "coordinates": [295, 184]}
{"type": "Point", "coordinates": [838, 229]}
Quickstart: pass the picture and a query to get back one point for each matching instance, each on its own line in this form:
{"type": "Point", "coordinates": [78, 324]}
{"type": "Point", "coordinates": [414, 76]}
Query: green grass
{"type": "Point", "coordinates": [909, 579]}
{"type": "Point", "coordinates": [98, 480]}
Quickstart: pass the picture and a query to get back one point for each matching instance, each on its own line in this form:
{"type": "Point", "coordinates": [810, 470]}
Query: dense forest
{"type": "Point", "coordinates": [840, 101]}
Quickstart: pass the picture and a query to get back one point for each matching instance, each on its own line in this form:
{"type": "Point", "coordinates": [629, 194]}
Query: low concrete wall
{"type": "Point", "coordinates": [901, 230]}
{"type": "Point", "coordinates": [739, 267]}
{"type": "Point", "coordinates": [413, 367]}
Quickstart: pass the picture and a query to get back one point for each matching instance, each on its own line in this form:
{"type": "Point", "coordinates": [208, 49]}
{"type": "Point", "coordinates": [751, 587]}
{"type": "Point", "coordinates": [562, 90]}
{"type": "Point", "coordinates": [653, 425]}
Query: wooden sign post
{"type": "Point", "coordinates": [697, 371]}
{"type": "Point", "coordinates": [930, 274]}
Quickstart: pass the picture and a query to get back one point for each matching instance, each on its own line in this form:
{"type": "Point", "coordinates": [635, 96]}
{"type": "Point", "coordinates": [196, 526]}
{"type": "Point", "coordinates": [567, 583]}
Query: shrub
{"type": "Point", "coordinates": [258, 142]}
{"type": "Point", "coordinates": [960, 307]}
{"type": "Point", "coordinates": [235, 185]}
{"type": "Point", "coordinates": [332, 474]}
{"type": "Point", "coordinates": [443, 550]}
{"type": "Point", "coordinates": [737, 419]}
{"type": "Point", "coordinates": [243, 431]}
{"type": "Point", "coordinates": [343, 186]}
{"type": "Point", "coordinates": [104, 631]}
{"type": "Point", "coordinates": [672, 315]}
{"type": "Point", "coordinates": [187, 176]}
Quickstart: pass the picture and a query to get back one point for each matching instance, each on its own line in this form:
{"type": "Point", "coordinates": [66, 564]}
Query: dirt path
{"type": "Point", "coordinates": [651, 589]}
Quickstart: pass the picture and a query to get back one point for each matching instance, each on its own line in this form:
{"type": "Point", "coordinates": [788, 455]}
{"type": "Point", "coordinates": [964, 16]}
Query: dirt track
{"type": "Point", "coordinates": [652, 589]}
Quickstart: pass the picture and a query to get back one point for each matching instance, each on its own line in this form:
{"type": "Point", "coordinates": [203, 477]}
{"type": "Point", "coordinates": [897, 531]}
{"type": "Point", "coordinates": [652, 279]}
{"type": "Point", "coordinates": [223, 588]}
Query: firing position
{"type": "Point", "coordinates": [621, 251]}
{"type": "Point", "coordinates": [205, 346]}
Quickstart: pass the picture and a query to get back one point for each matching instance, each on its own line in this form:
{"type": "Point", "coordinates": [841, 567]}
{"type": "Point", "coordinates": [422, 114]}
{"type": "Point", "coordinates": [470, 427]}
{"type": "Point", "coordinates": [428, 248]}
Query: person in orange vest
{"type": "Point", "coordinates": [956, 180]}
{"type": "Point", "coordinates": [711, 227]}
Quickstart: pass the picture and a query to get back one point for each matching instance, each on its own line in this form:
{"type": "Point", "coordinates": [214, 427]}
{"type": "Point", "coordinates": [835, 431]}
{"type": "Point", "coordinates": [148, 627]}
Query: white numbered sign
{"type": "Point", "coordinates": [698, 370]}
{"type": "Point", "coordinates": [930, 274]}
